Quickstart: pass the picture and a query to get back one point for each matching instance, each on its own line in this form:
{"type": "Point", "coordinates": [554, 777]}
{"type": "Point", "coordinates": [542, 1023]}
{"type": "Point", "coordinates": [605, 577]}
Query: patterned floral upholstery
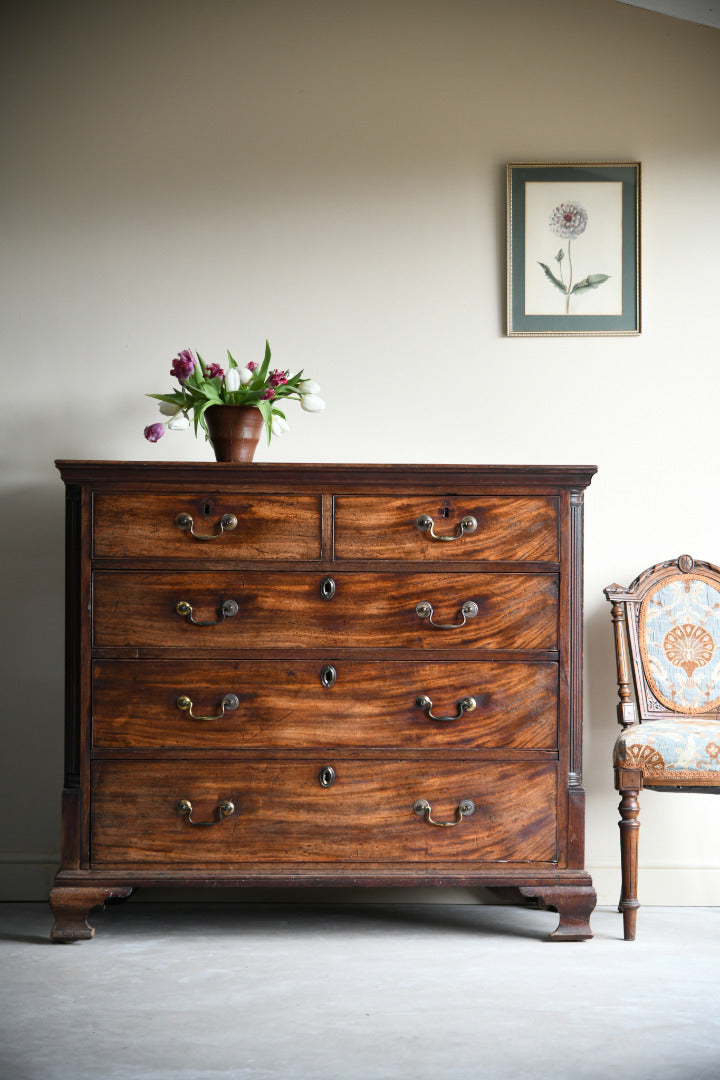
{"type": "Point", "coordinates": [672, 751]}
{"type": "Point", "coordinates": [679, 638]}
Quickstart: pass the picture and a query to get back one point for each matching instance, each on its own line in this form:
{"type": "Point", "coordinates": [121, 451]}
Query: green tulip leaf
{"type": "Point", "coordinates": [199, 415]}
{"type": "Point", "coordinates": [264, 367]}
{"type": "Point", "coordinates": [266, 409]}
{"type": "Point", "coordinates": [171, 399]}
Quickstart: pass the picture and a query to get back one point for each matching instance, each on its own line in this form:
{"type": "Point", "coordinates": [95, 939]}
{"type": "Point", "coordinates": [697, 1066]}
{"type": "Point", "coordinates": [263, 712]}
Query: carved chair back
{"type": "Point", "coordinates": [669, 621]}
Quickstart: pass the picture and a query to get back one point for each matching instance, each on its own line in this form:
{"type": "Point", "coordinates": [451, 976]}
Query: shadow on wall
{"type": "Point", "coordinates": [32, 648]}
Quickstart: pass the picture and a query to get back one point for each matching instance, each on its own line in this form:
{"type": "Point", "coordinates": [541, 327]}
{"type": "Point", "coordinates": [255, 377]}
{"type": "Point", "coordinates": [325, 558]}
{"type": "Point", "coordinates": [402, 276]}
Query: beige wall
{"type": "Point", "coordinates": [331, 175]}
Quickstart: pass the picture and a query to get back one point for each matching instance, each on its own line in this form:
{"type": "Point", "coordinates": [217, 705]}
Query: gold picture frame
{"type": "Point", "coordinates": [573, 249]}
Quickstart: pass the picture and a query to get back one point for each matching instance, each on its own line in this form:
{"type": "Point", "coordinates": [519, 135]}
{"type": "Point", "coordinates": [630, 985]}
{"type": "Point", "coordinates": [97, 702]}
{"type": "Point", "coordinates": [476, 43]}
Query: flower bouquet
{"type": "Point", "coordinates": [203, 385]}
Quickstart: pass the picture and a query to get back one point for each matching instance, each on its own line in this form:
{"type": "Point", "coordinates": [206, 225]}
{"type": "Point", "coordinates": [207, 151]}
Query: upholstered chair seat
{"type": "Point", "coordinates": [667, 643]}
{"type": "Point", "coordinates": [685, 753]}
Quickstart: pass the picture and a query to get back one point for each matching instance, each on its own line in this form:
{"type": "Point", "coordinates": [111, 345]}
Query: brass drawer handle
{"type": "Point", "coordinates": [225, 809]}
{"type": "Point", "coordinates": [425, 611]}
{"type": "Point", "coordinates": [466, 705]}
{"type": "Point", "coordinates": [185, 522]}
{"type": "Point", "coordinates": [423, 809]}
{"type": "Point", "coordinates": [227, 610]}
{"type": "Point", "coordinates": [228, 703]}
{"type": "Point", "coordinates": [426, 524]}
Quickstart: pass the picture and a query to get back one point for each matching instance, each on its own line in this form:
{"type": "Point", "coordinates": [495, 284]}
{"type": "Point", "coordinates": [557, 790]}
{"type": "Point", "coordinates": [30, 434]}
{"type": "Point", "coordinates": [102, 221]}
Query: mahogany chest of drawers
{"type": "Point", "coordinates": [323, 675]}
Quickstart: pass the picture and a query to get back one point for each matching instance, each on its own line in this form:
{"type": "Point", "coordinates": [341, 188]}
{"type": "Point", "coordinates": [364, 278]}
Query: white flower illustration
{"type": "Point", "coordinates": [569, 220]}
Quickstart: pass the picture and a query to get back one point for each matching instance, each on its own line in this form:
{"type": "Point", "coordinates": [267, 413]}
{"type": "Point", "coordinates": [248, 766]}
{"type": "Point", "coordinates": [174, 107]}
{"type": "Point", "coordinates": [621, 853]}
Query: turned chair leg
{"type": "Point", "coordinates": [629, 829]}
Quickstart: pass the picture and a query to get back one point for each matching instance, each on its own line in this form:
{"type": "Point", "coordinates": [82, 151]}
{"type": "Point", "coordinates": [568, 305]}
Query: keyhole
{"type": "Point", "coordinates": [446, 512]}
{"type": "Point", "coordinates": [327, 588]}
{"type": "Point", "coordinates": [328, 675]}
{"type": "Point", "coordinates": [326, 776]}
{"type": "Point", "coordinates": [206, 509]}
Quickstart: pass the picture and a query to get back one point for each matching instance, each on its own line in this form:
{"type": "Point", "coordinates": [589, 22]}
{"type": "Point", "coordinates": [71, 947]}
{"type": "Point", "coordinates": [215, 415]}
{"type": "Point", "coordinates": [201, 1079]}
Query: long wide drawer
{"type": "Point", "coordinates": [281, 813]}
{"type": "Point", "coordinates": [280, 704]}
{"type": "Point", "coordinates": [257, 610]}
{"type": "Point", "coordinates": [446, 528]}
{"type": "Point", "coordinates": [218, 526]}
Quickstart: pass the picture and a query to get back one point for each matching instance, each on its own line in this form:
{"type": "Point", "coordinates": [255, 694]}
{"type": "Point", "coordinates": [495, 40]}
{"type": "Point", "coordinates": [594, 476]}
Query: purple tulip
{"type": "Point", "coordinates": [214, 371]}
{"type": "Point", "coordinates": [183, 365]}
{"type": "Point", "coordinates": [153, 432]}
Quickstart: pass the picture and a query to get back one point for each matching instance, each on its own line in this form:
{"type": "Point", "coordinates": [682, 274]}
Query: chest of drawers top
{"type": "Point", "coordinates": [322, 513]}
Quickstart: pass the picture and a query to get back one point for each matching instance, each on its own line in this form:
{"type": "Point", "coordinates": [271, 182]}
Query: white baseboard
{"type": "Point", "coordinates": [662, 886]}
{"type": "Point", "coordinates": [28, 877]}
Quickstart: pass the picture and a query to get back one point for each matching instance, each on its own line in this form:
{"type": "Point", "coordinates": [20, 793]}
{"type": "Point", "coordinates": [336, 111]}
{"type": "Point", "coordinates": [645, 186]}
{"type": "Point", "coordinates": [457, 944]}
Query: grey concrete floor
{"type": "Point", "coordinates": [373, 992]}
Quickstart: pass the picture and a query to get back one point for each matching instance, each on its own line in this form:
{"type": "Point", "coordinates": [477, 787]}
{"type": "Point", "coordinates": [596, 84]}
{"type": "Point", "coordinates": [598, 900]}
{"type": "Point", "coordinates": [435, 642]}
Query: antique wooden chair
{"type": "Point", "coordinates": [667, 630]}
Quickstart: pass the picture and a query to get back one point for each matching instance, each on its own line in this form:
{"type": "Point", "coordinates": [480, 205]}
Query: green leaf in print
{"type": "Point", "coordinates": [592, 281]}
{"type": "Point", "coordinates": [551, 277]}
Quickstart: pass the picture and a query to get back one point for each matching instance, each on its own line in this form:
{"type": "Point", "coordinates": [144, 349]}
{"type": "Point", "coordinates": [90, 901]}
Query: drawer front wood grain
{"type": "Point", "coordinates": [285, 704]}
{"type": "Point", "coordinates": [283, 816]}
{"type": "Point", "coordinates": [143, 525]}
{"type": "Point", "coordinates": [287, 611]}
{"type": "Point", "coordinates": [521, 528]}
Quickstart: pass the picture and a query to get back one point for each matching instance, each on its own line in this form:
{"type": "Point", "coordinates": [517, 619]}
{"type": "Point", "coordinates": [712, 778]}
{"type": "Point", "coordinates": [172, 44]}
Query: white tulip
{"type": "Point", "coordinates": [312, 403]}
{"type": "Point", "coordinates": [309, 386]}
{"type": "Point", "coordinates": [245, 375]}
{"type": "Point", "coordinates": [179, 423]}
{"type": "Point", "coordinates": [279, 426]}
{"type": "Point", "coordinates": [232, 380]}
{"type": "Point", "coordinates": [167, 409]}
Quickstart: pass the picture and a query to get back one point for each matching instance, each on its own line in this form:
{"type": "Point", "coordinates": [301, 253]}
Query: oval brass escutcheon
{"type": "Point", "coordinates": [328, 676]}
{"type": "Point", "coordinates": [326, 776]}
{"type": "Point", "coordinates": [327, 588]}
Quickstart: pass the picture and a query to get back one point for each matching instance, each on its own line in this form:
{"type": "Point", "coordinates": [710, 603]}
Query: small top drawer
{"type": "Point", "coordinates": [220, 526]}
{"type": "Point", "coordinates": [447, 528]}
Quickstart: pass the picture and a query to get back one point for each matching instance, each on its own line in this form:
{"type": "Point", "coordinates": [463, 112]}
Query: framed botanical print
{"type": "Point", "coordinates": [573, 249]}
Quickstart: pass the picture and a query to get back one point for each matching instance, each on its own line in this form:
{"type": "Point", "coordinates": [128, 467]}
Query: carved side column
{"type": "Point", "coordinates": [625, 709]}
{"type": "Point", "coordinates": [576, 792]}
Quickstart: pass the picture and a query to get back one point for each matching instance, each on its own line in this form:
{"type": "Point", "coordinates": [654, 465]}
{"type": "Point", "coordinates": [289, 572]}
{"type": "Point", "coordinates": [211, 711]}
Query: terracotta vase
{"type": "Point", "coordinates": [234, 431]}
